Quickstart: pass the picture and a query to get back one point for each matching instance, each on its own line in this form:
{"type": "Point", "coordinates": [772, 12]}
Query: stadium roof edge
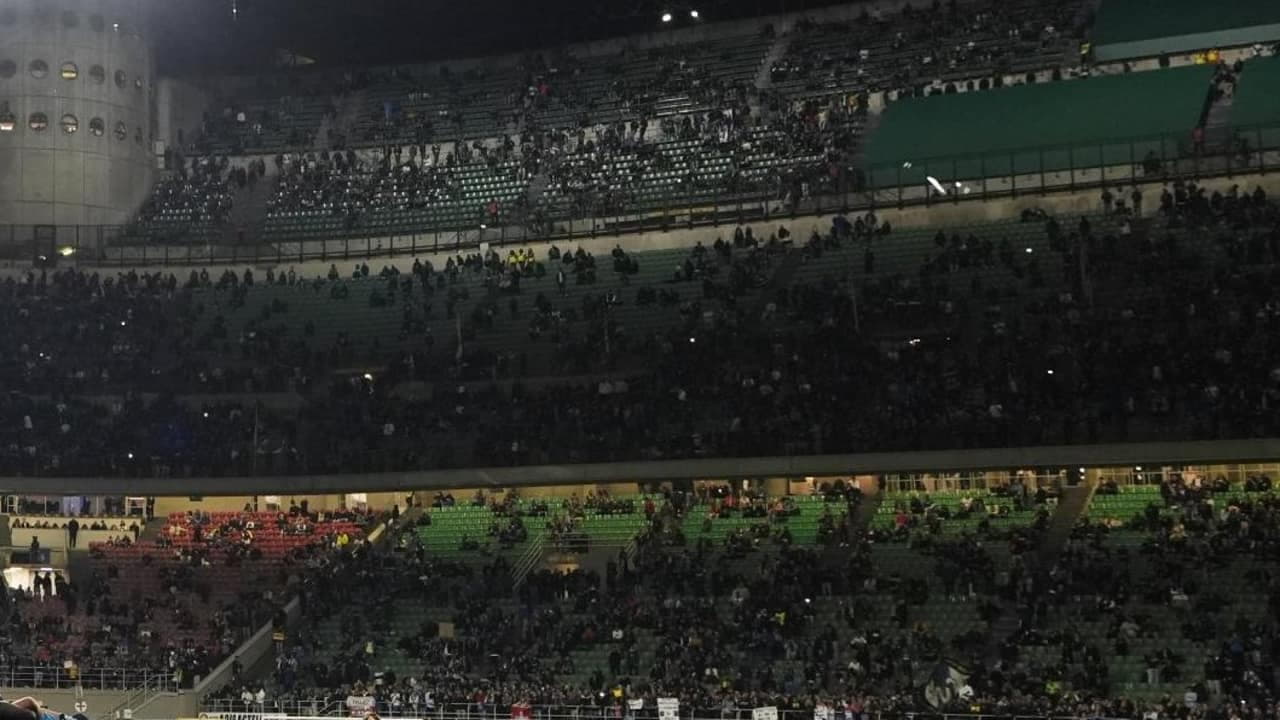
{"type": "Point", "coordinates": [1059, 456]}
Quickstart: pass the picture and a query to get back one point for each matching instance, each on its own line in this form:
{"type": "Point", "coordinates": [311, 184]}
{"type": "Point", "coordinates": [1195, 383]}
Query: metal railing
{"type": "Point", "coordinates": [138, 698]}
{"type": "Point", "coordinates": [236, 710]}
{"type": "Point", "coordinates": [527, 561]}
{"type": "Point", "coordinates": [58, 677]}
{"type": "Point", "coordinates": [964, 177]}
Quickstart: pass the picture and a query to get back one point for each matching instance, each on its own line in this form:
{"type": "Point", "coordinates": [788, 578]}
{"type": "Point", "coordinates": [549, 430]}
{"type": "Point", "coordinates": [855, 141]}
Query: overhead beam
{"type": "Point", "coordinates": [1058, 456]}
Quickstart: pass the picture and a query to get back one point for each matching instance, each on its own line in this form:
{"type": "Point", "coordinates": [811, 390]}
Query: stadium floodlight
{"type": "Point", "coordinates": [936, 185]}
{"type": "Point", "coordinates": [694, 14]}
{"type": "Point", "coordinates": [666, 17]}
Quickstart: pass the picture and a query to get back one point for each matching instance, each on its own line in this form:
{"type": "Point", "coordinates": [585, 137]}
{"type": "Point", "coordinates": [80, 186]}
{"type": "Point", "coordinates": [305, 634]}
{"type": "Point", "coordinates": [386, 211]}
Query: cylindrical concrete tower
{"type": "Point", "coordinates": [76, 120]}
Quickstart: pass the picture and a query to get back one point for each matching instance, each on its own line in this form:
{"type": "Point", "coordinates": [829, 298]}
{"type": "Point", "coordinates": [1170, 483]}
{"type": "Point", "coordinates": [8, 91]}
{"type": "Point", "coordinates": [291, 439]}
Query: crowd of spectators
{"type": "Point", "coordinates": [726, 629]}
{"type": "Point", "coordinates": [197, 195]}
{"type": "Point", "coordinates": [918, 46]}
{"type": "Point", "coordinates": [674, 124]}
{"type": "Point", "coordinates": [746, 368]}
{"type": "Point", "coordinates": [173, 606]}
{"type": "Point", "coordinates": [1194, 586]}
{"type": "Point", "coordinates": [347, 184]}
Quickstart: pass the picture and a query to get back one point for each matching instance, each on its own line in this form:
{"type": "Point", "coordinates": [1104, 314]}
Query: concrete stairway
{"type": "Point", "coordinates": [346, 116]}
{"type": "Point", "coordinates": [324, 132]}
{"type": "Point", "coordinates": [152, 529]}
{"type": "Point", "coordinates": [866, 511]}
{"type": "Point", "coordinates": [249, 211]}
{"type": "Point", "coordinates": [764, 76]}
{"type": "Point", "coordinates": [1071, 506]}
{"type": "Point", "coordinates": [835, 557]}
{"type": "Point", "coordinates": [1072, 503]}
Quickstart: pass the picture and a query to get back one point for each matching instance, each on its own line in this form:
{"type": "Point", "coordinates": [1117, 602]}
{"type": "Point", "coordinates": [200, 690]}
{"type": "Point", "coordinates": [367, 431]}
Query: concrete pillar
{"type": "Point", "coordinates": [76, 79]}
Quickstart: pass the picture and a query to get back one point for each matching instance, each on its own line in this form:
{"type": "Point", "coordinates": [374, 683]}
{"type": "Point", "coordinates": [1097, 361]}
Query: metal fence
{"type": "Point", "coordinates": [919, 181]}
{"type": "Point", "coordinates": [238, 710]}
{"type": "Point", "coordinates": [58, 677]}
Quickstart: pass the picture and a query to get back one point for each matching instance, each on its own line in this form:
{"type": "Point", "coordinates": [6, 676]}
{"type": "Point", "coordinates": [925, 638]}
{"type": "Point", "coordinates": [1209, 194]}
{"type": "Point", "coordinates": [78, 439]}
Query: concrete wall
{"type": "Point", "coordinates": [235, 503]}
{"type": "Point", "coordinates": [87, 176]}
{"type": "Point", "coordinates": [1258, 450]}
{"type": "Point", "coordinates": [180, 106]}
{"type": "Point", "coordinates": [56, 538]}
{"type": "Point", "coordinates": [1188, 43]}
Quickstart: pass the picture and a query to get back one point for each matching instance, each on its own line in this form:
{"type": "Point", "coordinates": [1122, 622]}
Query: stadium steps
{"type": "Point", "coordinates": [249, 211]}
{"type": "Point", "coordinates": [783, 276]}
{"type": "Point", "coordinates": [323, 131]}
{"type": "Point", "coordinates": [152, 529]}
{"type": "Point", "coordinates": [866, 511]}
{"type": "Point", "coordinates": [348, 113]}
{"type": "Point", "coordinates": [777, 51]}
{"type": "Point", "coordinates": [1072, 503]}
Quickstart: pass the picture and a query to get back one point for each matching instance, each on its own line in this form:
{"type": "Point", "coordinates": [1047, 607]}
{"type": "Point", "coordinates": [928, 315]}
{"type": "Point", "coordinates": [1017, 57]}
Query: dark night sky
{"type": "Point", "coordinates": [200, 36]}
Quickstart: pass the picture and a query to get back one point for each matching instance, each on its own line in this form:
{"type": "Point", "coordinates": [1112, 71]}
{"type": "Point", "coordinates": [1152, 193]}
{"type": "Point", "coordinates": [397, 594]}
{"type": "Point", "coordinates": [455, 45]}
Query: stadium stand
{"type": "Point", "coordinates": [188, 205]}
{"type": "Point", "coordinates": [1147, 29]}
{"type": "Point", "coordinates": [1097, 591]}
{"type": "Point", "coordinates": [937, 315]}
{"type": "Point", "coordinates": [175, 604]}
{"type": "Point", "coordinates": [1052, 126]}
{"type": "Point", "coordinates": [727, 601]}
{"type": "Point", "coordinates": [272, 116]}
{"type": "Point", "coordinates": [1255, 106]}
{"type": "Point", "coordinates": [672, 126]}
{"type": "Point", "coordinates": [1134, 576]}
{"type": "Point", "coordinates": [916, 47]}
